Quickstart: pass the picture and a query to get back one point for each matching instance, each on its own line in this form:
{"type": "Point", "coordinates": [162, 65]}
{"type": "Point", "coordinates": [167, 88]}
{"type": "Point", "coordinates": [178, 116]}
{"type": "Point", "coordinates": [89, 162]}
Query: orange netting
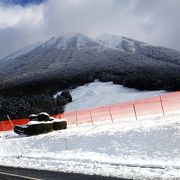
{"type": "Point", "coordinates": [159, 105]}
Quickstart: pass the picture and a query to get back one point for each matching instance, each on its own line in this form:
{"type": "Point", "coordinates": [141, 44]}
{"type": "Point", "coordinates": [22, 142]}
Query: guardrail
{"type": "Point", "coordinates": [158, 105]}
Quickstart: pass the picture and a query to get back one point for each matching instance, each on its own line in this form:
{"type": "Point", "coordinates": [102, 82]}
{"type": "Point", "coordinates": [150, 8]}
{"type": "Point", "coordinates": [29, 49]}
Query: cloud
{"type": "Point", "coordinates": [19, 27]}
{"type": "Point", "coordinates": [153, 21]}
{"type": "Point", "coordinates": [18, 16]}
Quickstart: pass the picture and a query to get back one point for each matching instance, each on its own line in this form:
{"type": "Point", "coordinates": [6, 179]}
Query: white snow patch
{"type": "Point", "coordinates": [81, 40]}
{"type": "Point", "coordinates": [58, 120]}
{"type": "Point", "coordinates": [98, 94]}
{"type": "Point", "coordinates": [63, 41]}
{"type": "Point", "coordinates": [46, 122]}
{"type": "Point", "coordinates": [110, 41]}
{"type": "Point", "coordinates": [39, 122]}
{"type": "Point", "coordinates": [131, 45]}
{"type": "Point", "coordinates": [143, 149]}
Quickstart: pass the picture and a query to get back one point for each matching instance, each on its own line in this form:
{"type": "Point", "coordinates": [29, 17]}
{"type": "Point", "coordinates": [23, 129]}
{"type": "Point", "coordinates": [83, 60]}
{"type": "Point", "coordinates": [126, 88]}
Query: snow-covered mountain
{"type": "Point", "coordinates": [34, 74]}
{"type": "Point", "coordinates": [119, 42]}
{"type": "Point", "coordinates": [75, 40]}
{"type": "Point", "coordinates": [75, 57]}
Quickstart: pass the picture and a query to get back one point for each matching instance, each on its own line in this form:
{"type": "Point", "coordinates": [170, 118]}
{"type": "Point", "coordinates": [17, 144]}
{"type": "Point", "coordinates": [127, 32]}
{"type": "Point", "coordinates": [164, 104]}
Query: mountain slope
{"type": "Point", "coordinates": [134, 46]}
{"type": "Point", "coordinates": [31, 76]}
{"type": "Point", "coordinates": [76, 56]}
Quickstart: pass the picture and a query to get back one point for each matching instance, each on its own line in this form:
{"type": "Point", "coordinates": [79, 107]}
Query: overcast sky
{"type": "Point", "coordinates": [152, 21]}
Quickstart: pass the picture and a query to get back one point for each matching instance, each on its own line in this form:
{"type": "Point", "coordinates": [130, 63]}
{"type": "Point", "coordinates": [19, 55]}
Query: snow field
{"type": "Point", "coordinates": [98, 94]}
{"type": "Point", "coordinates": [144, 149]}
{"type": "Point", "coordinates": [147, 148]}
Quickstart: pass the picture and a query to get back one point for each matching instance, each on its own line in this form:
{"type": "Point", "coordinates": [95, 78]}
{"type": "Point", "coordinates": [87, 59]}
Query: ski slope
{"type": "Point", "coordinates": [144, 149]}
{"type": "Point", "coordinates": [98, 94]}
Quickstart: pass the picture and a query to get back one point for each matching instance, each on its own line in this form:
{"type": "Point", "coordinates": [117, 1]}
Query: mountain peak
{"type": "Point", "coordinates": [110, 41]}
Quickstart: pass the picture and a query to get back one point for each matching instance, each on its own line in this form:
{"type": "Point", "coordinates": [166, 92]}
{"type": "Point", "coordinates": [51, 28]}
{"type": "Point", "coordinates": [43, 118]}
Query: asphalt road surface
{"type": "Point", "coordinates": [10, 173]}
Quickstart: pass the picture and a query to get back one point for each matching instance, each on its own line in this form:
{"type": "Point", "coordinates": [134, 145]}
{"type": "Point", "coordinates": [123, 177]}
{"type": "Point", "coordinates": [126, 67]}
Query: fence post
{"type": "Point", "coordinates": [162, 106]}
{"type": "Point", "coordinates": [91, 117]}
{"type": "Point", "coordinates": [135, 111]}
{"type": "Point", "coordinates": [110, 115]}
{"type": "Point", "coordinates": [65, 140]}
{"type": "Point", "coordinates": [10, 121]}
{"type": "Point", "coordinates": [76, 119]}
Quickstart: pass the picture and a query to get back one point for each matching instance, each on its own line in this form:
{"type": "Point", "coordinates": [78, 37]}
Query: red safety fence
{"type": "Point", "coordinates": [158, 105]}
{"type": "Point", "coordinates": [8, 125]}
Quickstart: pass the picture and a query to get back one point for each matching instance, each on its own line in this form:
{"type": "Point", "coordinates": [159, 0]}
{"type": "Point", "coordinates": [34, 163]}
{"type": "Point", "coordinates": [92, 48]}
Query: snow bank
{"type": "Point", "coordinates": [143, 149]}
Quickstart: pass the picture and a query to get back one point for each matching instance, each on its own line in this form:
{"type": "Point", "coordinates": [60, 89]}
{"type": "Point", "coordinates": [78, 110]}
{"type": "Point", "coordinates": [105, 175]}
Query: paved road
{"type": "Point", "coordinates": [9, 173]}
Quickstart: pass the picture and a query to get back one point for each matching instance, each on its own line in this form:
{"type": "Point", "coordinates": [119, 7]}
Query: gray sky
{"type": "Point", "coordinates": [152, 21]}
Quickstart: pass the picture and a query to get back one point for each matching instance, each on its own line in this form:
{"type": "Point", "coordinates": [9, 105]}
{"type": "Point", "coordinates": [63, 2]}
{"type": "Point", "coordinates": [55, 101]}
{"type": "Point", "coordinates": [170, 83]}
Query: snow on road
{"type": "Point", "coordinates": [143, 149]}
